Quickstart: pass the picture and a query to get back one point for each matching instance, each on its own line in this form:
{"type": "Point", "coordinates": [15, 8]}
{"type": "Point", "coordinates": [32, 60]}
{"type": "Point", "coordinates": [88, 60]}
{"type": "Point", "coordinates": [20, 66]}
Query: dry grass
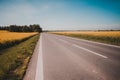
{"type": "Point", "coordinates": [93, 33]}
{"type": "Point", "coordinates": [6, 36]}
{"type": "Point", "coordinates": [111, 37]}
{"type": "Point", "coordinates": [14, 60]}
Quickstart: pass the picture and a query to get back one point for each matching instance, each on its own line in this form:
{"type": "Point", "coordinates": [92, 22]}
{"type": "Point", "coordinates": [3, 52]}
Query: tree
{"type": "Point", "coordinates": [25, 28]}
{"type": "Point", "coordinates": [36, 28]}
{"type": "Point", "coordinates": [12, 28]}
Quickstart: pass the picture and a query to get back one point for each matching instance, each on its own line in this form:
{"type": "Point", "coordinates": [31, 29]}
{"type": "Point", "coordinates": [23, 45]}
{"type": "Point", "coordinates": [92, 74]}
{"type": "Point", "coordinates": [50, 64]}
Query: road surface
{"type": "Point", "coordinates": [65, 58]}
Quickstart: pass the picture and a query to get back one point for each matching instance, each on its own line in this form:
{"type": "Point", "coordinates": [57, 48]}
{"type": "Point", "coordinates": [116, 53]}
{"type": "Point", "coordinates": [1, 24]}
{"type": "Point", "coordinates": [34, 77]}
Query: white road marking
{"type": "Point", "coordinates": [90, 51]}
{"type": "Point", "coordinates": [39, 69]}
{"type": "Point", "coordinates": [105, 44]}
{"type": "Point", "coordinates": [84, 49]}
{"type": "Point", "coordinates": [62, 40]}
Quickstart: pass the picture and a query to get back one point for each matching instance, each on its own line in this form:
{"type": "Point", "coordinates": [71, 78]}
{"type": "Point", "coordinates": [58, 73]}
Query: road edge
{"type": "Point", "coordinates": [39, 68]}
{"type": "Point", "coordinates": [31, 68]}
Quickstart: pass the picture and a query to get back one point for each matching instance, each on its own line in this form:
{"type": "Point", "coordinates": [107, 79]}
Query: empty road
{"type": "Point", "coordinates": [65, 58]}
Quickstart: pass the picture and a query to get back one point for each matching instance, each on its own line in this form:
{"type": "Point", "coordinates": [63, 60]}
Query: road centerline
{"type": "Point", "coordinates": [90, 51]}
{"type": "Point", "coordinates": [62, 40]}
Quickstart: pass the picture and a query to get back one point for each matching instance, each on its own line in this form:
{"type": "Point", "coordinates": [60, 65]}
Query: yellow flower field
{"type": "Point", "coordinates": [6, 36]}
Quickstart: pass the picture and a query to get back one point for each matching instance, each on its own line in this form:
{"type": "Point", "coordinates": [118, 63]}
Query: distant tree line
{"type": "Point", "coordinates": [25, 28]}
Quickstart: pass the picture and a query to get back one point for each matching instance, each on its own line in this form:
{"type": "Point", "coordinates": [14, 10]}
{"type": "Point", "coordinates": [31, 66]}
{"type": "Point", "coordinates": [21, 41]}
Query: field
{"type": "Point", "coordinates": [8, 39]}
{"type": "Point", "coordinates": [14, 60]}
{"type": "Point", "coordinates": [6, 36]}
{"type": "Point", "coordinates": [111, 37]}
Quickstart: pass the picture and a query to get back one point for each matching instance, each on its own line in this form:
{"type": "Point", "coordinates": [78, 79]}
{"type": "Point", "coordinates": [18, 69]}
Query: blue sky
{"type": "Point", "coordinates": [62, 14]}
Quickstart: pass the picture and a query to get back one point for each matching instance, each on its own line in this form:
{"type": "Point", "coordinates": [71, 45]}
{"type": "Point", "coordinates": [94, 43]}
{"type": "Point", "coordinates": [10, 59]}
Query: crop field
{"type": "Point", "coordinates": [14, 60]}
{"type": "Point", "coordinates": [111, 37]}
{"type": "Point", "coordinates": [10, 38]}
{"type": "Point", "coordinates": [6, 36]}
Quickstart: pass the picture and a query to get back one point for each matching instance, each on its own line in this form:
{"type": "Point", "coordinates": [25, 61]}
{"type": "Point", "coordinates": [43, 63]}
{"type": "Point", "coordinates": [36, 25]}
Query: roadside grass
{"type": "Point", "coordinates": [14, 60]}
{"type": "Point", "coordinates": [110, 37]}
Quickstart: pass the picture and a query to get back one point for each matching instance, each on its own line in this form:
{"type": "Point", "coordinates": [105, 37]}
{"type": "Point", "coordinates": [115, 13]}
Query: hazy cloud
{"type": "Point", "coordinates": [57, 15]}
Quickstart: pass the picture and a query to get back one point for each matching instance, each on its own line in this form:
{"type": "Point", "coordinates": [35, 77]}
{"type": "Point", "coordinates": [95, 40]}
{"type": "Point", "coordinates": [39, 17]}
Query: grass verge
{"type": "Point", "coordinates": [14, 60]}
{"type": "Point", "coordinates": [103, 39]}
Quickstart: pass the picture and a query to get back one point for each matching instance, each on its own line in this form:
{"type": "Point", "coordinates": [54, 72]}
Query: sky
{"type": "Point", "coordinates": [62, 14]}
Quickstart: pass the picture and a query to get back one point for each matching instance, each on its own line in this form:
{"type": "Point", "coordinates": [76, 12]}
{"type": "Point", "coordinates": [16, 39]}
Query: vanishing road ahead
{"type": "Point", "coordinates": [65, 58]}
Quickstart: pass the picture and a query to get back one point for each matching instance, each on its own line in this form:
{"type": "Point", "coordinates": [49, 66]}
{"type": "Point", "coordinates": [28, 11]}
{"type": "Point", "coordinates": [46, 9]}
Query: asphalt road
{"type": "Point", "coordinates": [65, 58]}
